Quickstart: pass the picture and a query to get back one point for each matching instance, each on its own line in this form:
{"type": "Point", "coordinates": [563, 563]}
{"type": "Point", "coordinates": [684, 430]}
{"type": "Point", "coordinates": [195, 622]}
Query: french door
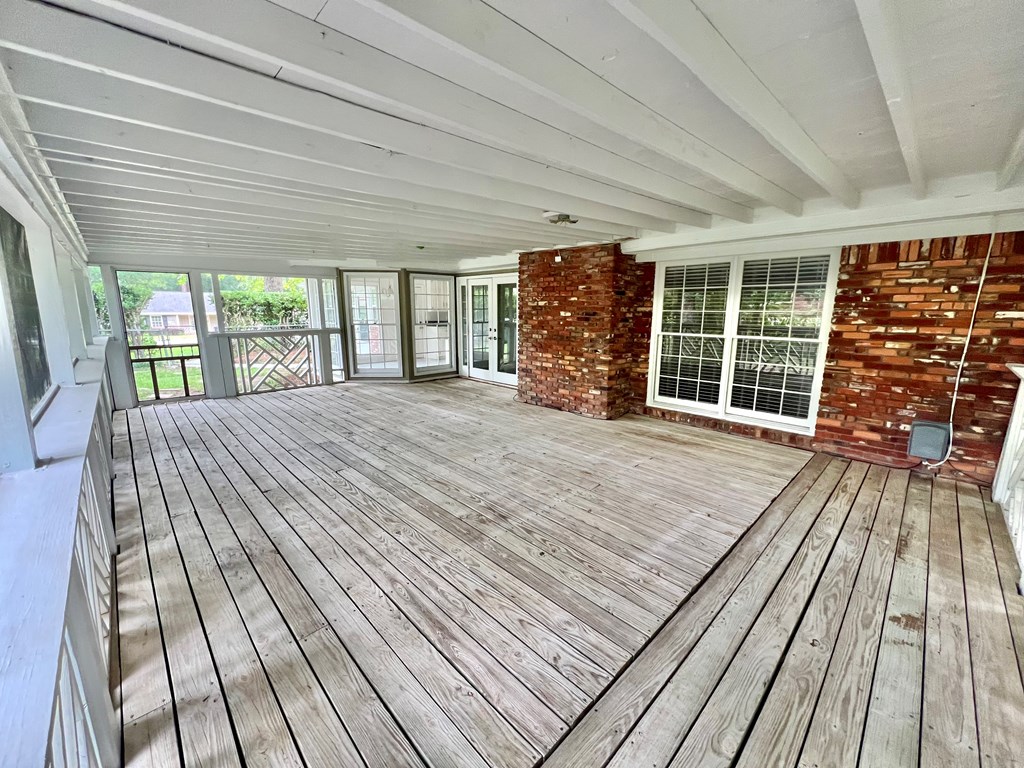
{"type": "Point", "coordinates": [490, 328]}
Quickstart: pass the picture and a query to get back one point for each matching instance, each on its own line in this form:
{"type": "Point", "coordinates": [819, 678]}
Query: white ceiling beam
{"type": "Point", "coordinates": [879, 19]}
{"type": "Point", "coordinates": [88, 228]}
{"type": "Point", "coordinates": [126, 211]}
{"type": "Point", "coordinates": [886, 215]}
{"type": "Point", "coordinates": [165, 150]}
{"type": "Point", "coordinates": [97, 47]}
{"type": "Point", "coordinates": [119, 214]}
{"type": "Point", "coordinates": [179, 141]}
{"type": "Point", "coordinates": [483, 37]}
{"type": "Point", "coordinates": [78, 177]}
{"type": "Point", "coordinates": [96, 197]}
{"type": "Point", "coordinates": [198, 244]}
{"type": "Point", "coordinates": [263, 236]}
{"type": "Point", "coordinates": [682, 29]}
{"type": "Point", "coordinates": [1012, 169]}
{"type": "Point", "coordinates": [353, 70]}
{"type": "Point", "coordinates": [226, 263]}
{"type": "Point", "coordinates": [357, 213]}
{"type": "Point", "coordinates": [332, 251]}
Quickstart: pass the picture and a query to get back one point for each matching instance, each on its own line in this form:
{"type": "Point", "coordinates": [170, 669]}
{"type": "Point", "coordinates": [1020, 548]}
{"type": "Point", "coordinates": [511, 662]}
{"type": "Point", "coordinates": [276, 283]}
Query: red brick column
{"type": "Point", "coordinates": [584, 328]}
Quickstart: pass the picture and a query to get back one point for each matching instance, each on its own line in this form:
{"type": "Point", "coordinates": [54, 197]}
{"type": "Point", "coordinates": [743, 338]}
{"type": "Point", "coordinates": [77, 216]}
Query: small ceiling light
{"type": "Point", "coordinates": [554, 217]}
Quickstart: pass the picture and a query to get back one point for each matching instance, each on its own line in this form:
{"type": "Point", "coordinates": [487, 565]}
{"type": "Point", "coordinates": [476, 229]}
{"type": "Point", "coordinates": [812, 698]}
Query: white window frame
{"type": "Point", "coordinates": [452, 300]}
{"type": "Point", "coordinates": [156, 322]}
{"type": "Point", "coordinates": [721, 410]}
{"type": "Point", "coordinates": [353, 367]}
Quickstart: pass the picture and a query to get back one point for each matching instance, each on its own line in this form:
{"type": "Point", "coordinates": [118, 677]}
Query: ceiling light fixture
{"type": "Point", "coordinates": [554, 217]}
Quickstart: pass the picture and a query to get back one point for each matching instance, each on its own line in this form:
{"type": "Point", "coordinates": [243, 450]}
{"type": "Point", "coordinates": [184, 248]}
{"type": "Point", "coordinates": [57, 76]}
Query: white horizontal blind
{"type": "Point", "coordinates": [779, 323]}
{"type": "Point", "coordinates": [692, 338]}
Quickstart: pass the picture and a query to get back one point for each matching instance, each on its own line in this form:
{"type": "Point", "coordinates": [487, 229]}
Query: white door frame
{"type": "Point", "coordinates": [466, 368]}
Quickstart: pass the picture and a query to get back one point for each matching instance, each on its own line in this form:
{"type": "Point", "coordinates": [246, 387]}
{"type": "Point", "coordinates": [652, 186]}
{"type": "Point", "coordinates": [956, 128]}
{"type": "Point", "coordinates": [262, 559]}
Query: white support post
{"type": "Point", "coordinates": [213, 373]}
{"type": "Point", "coordinates": [86, 304]}
{"type": "Point", "coordinates": [73, 316]}
{"type": "Point", "coordinates": [117, 359]}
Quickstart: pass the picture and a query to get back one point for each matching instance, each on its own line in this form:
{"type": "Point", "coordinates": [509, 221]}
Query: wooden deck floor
{"type": "Point", "coordinates": [435, 575]}
{"type": "Point", "coordinates": [869, 618]}
{"type": "Point", "coordinates": [392, 575]}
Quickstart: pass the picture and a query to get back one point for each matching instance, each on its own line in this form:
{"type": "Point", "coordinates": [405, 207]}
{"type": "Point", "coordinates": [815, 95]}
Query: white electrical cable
{"type": "Point", "coordinates": [963, 355]}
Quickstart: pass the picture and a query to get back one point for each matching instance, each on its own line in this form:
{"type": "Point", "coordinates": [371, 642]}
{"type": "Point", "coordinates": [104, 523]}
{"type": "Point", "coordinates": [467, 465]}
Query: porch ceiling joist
{"type": "Point", "coordinates": [682, 29]}
{"type": "Point", "coordinates": [212, 234]}
{"type": "Point", "coordinates": [310, 238]}
{"type": "Point", "coordinates": [199, 245]}
{"type": "Point", "coordinates": [87, 206]}
{"type": "Point", "coordinates": [78, 178]}
{"type": "Point", "coordinates": [348, 68]}
{"type": "Point", "coordinates": [484, 38]}
{"type": "Point", "coordinates": [881, 28]}
{"type": "Point", "coordinates": [161, 85]}
{"type": "Point", "coordinates": [225, 163]}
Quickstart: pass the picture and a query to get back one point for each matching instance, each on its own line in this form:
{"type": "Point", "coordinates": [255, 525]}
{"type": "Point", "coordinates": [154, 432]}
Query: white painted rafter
{"type": "Point", "coordinates": [485, 38]}
{"type": "Point", "coordinates": [879, 19]}
{"type": "Point", "coordinates": [171, 150]}
{"type": "Point", "coordinates": [351, 69]}
{"type": "Point", "coordinates": [681, 28]}
{"type": "Point", "coordinates": [94, 47]}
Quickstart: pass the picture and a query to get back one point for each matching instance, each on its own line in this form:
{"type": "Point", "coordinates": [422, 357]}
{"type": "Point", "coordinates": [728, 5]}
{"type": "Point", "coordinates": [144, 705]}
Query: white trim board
{"type": "Point", "coordinates": [891, 217]}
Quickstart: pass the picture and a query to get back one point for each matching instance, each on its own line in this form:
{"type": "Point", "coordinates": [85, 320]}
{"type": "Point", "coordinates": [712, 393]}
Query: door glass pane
{"type": "Point", "coordinates": [431, 310]}
{"type": "Point", "coordinates": [464, 330]}
{"type": "Point", "coordinates": [480, 317]}
{"type": "Point", "coordinates": [692, 339]}
{"type": "Point", "coordinates": [374, 305]}
{"type": "Point", "coordinates": [162, 344]}
{"type": "Point", "coordinates": [508, 326]}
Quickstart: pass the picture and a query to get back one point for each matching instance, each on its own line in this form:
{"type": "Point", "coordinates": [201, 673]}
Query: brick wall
{"type": "Point", "coordinates": [902, 311]}
{"type": "Point", "coordinates": [583, 328]}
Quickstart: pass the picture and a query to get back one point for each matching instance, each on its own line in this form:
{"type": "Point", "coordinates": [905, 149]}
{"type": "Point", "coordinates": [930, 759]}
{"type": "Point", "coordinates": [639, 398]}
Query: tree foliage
{"type": "Point", "coordinates": [245, 309]}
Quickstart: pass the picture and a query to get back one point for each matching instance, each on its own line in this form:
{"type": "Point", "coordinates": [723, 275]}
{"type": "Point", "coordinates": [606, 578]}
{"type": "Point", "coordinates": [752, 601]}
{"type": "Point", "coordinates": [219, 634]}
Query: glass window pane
{"type": "Point", "coordinates": [263, 302]}
{"type": "Point", "coordinates": [374, 317]}
{"type": "Point", "coordinates": [432, 298]}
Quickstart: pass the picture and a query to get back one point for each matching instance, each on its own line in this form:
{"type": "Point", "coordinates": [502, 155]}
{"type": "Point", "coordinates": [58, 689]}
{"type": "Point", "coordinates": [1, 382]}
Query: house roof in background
{"type": "Point", "coordinates": [174, 303]}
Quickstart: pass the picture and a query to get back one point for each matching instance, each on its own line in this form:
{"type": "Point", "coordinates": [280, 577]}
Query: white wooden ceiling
{"type": "Point", "coordinates": [437, 132]}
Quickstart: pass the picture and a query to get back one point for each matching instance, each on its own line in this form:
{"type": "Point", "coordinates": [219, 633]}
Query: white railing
{"type": "Point", "coordinates": [56, 555]}
{"type": "Point", "coordinates": [269, 360]}
{"type": "Point", "coordinates": [1008, 486]}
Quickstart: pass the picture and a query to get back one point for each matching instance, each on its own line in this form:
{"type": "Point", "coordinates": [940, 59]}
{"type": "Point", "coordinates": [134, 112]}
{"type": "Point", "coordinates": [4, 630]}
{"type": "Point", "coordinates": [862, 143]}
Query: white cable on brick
{"type": "Point", "coordinates": [963, 355]}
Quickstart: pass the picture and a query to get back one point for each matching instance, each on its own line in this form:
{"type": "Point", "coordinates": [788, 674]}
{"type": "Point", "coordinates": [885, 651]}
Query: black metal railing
{"type": "Point", "coordinates": [149, 356]}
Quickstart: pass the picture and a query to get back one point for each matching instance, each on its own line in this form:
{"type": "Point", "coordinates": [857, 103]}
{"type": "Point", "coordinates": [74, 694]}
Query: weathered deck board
{"type": "Point", "coordinates": [437, 575]}
{"type": "Point", "coordinates": [382, 576]}
{"type": "Point", "coordinates": [810, 646]}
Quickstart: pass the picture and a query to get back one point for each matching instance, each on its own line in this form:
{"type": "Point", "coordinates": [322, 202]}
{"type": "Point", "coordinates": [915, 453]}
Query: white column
{"type": "Point", "coordinates": [117, 359]}
{"type": "Point", "coordinates": [86, 304]}
{"type": "Point", "coordinates": [67, 277]}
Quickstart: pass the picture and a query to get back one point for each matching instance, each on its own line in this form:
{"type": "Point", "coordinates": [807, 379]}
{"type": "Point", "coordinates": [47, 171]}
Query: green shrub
{"type": "Point", "coordinates": [243, 309]}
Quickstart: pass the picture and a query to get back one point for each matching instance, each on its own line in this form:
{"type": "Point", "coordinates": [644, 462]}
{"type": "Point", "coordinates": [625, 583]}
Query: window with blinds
{"type": "Point", "coordinates": [743, 337]}
{"type": "Point", "coordinates": [692, 338]}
